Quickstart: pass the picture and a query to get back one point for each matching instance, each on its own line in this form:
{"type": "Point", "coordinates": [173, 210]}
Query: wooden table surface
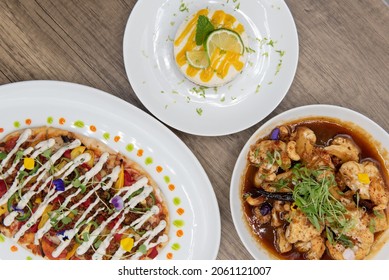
{"type": "Point", "coordinates": [343, 60]}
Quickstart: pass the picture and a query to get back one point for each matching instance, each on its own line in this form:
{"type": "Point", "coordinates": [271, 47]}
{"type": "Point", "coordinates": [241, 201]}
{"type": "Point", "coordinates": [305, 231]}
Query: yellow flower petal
{"type": "Point", "coordinates": [364, 178]}
{"type": "Point", "coordinates": [127, 244]}
{"type": "Point", "coordinates": [29, 163]}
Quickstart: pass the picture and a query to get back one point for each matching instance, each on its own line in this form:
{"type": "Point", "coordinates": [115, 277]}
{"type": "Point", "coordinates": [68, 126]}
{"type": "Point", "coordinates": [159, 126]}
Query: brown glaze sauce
{"type": "Point", "coordinates": [325, 130]}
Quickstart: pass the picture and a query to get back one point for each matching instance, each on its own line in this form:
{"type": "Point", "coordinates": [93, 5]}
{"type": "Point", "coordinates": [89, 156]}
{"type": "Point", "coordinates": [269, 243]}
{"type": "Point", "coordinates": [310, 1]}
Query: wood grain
{"type": "Point", "coordinates": [344, 60]}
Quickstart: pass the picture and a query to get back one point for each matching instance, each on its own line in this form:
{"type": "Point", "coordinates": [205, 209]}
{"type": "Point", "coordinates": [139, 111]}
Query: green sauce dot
{"type": "Point", "coordinates": [148, 161]}
{"type": "Point", "coordinates": [50, 120]}
{"type": "Point", "coordinates": [29, 258]}
{"type": "Point", "coordinates": [176, 201]}
{"type": "Point", "coordinates": [2, 238]}
{"type": "Point", "coordinates": [130, 147]}
{"type": "Point", "coordinates": [106, 136]}
{"type": "Point", "coordinates": [167, 179]}
{"type": "Point", "coordinates": [176, 246]}
{"type": "Point", "coordinates": [178, 223]}
{"type": "Point", "coordinates": [17, 124]}
{"type": "Point", "coordinates": [79, 124]}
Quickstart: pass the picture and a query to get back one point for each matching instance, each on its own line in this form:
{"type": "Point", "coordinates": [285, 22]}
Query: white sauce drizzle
{"type": "Point", "coordinates": [72, 232]}
{"type": "Point", "coordinates": [136, 186]}
{"type": "Point", "coordinates": [22, 138]}
{"type": "Point", "coordinates": [15, 185]}
{"type": "Point", "coordinates": [27, 196]}
{"type": "Point", "coordinates": [137, 223]}
{"type": "Point", "coordinates": [149, 235]}
{"type": "Point", "coordinates": [26, 152]}
{"type": "Point", "coordinates": [84, 180]}
{"type": "Point", "coordinates": [42, 175]}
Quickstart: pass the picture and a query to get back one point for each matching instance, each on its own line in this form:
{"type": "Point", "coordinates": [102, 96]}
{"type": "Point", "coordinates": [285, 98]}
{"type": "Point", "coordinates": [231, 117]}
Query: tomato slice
{"type": "Point", "coordinates": [153, 253]}
{"type": "Point", "coordinates": [3, 188]}
{"type": "Point", "coordinates": [10, 144]}
{"type": "Point", "coordinates": [128, 179]}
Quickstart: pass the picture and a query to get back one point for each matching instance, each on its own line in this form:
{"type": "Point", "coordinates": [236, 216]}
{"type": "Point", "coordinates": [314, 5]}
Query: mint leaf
{"type": "Point", "coordinates": [204, 27]}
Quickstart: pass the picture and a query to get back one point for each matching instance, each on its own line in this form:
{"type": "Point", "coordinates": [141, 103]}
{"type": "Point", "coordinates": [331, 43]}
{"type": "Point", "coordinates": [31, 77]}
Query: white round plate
{"type": "Point", "coordinates": [162, 88]}
{"type": "Point", "coordinates": [343, 114]}
{"type": "Point", "coordinates": [194, 213]}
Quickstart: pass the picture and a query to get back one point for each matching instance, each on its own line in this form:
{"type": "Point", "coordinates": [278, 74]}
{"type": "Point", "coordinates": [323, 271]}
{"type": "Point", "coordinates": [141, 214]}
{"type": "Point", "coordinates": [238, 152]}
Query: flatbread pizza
{"type": "Point", "coordinates": [68, 196]}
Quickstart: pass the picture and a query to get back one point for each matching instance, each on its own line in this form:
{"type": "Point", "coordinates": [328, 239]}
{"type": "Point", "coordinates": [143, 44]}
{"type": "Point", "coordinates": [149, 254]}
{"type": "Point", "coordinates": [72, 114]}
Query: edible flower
{"type": "Point", "coordinates": [117, 202]}
{"type": "Point", "coordinates": [15, 208]}
{"type": "Point", "coordinates": [61, 234]}
{"type": "Point", "coordinates": [363, 178]}
{"type": "Point", "coordinates": [59, 185]}
{"type": "Point", "coordinates": [29, 163]}
{"type": "Point", "coordinates": [275, 134]}
{"type": "Point", "coordinates": [127, 244]}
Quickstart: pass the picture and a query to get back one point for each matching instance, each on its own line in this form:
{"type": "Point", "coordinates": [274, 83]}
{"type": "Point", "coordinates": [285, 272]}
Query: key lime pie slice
{"type": "Point", "coordinates": [209, 48]}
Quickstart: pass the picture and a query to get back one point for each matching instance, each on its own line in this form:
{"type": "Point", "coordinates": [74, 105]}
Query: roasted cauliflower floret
{"type": "Point", "coordinates": [344, 148]}
{"type": "Point", "coordinates": [362, 239]}
{"type": "Point", "coordinates": [313, 249]}
{"type": "Point", "coordinates": [300, 228]}
{"type": "Point", "coordinates": [351, 173]}
{"type": "Point", "coordinates": [305, 140]}
{"type": "Point", "coordinates": [269, 156]}
{"type": "Point", "coordinates": [365, 179]}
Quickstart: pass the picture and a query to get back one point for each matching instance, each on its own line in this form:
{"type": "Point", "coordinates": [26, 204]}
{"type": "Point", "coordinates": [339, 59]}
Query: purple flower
{"type": "Point", "coordinates": [15, 208]}
{"type": "Point", "coordinates": [117, 202]}
{"type": "Point", "coordinates": [275, 134]}
{"type": "Point", "coordinates": [61, 233]}
{"type": "Point", "coordinates": [59, 185]}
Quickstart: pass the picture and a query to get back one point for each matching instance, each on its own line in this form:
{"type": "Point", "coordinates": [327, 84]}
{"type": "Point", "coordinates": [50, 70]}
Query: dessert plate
{"type": "Point", "coordinates": [269, 71]}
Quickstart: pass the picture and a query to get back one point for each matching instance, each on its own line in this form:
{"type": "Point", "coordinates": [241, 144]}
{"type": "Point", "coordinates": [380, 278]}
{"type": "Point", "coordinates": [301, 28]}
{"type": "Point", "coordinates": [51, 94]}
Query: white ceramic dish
{"type": "Point", "coordinates": [194, 213]}
{"type": "Point", "coordinates": [341, 113]}
{"type": "Point", "coordinates": [162, 88]}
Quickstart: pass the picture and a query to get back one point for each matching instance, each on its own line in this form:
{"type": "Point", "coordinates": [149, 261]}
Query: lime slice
{"type": "Point", "coordinates": [197, 59]}
{"type": "Point", "coordinates": [224, 39]}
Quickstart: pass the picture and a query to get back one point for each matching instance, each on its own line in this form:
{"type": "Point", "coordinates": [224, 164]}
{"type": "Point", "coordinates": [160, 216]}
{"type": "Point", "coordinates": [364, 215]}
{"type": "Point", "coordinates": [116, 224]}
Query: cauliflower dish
{"type": "Point", "coordinates": [316, 189]}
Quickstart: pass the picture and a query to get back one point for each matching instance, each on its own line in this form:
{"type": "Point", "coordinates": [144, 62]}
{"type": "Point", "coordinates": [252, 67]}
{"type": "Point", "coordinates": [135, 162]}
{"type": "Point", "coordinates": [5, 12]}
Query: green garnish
{"type": "Point", "coordinates": [142, 249]}
{"type": "Point", "coordinates": [199, 111]}
{"type": "Point", "coordinates": [47, 154]}
{"type": "Point", "coordinates": [55, 216]}
{"type": "Point", "coordinates": [204, 27]}
{"type": "Point", "coordinates": [313, 197]}
{"type": "Point", "coordinates": [183, 7]}
{"type": "Point", "coordinates": [3, 155]}
{"type": "Point", "coordinates": [19, 155]}
{"type": "Point", "coordinates": [22, 175]}
{"type": "Point", "coordinates": [372, 226]}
